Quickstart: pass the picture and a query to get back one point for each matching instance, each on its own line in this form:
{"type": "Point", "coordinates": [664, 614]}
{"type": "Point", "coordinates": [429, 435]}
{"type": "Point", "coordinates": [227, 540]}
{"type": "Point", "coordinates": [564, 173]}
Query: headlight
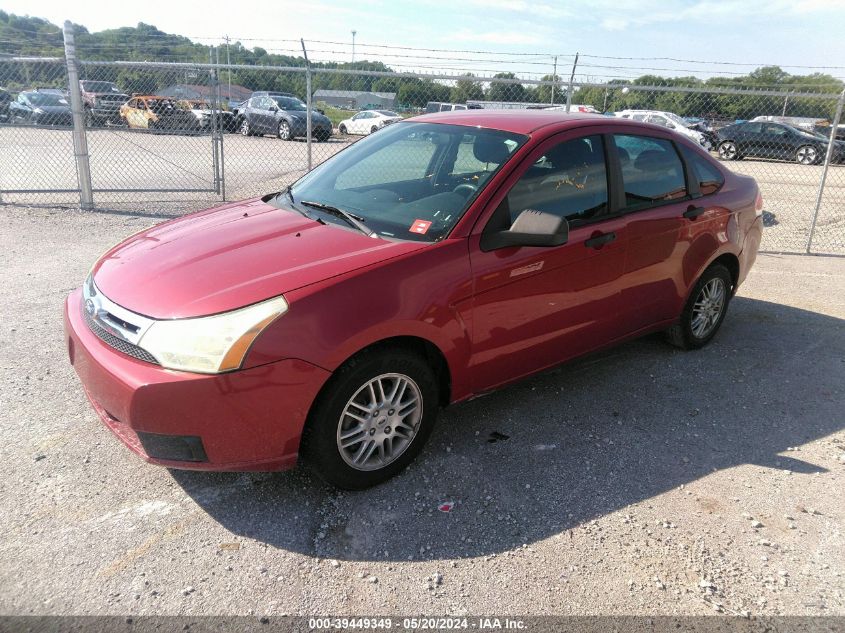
{"type": "Point", "coordinates": [38, 111]}
{"type": "Point", "coordinates": [212, 344]}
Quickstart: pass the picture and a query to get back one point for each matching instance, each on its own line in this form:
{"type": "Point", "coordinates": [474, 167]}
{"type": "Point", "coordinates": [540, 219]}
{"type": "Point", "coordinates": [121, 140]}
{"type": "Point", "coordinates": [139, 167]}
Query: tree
{"type": "Point", "coordinates": [543, 93]}
{"type": "Point", "coordinates": [505, 91]}
{"type": "Point", "coordinates": [465, 89]}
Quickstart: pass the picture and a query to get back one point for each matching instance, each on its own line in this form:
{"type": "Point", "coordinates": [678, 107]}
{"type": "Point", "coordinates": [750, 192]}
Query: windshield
{"type": "Point", "coordinates": [808, 133]}
{"type": "Point", "coordinates": [411, 181]}
{"type": "Point", "coordinates": [289, 103]}
{"type": "Point", "coordinates": [675, 119]}
{"type": "Point", "coordinates": [100, 86]}
{"type": "Point", "coordinates": [45, 99]}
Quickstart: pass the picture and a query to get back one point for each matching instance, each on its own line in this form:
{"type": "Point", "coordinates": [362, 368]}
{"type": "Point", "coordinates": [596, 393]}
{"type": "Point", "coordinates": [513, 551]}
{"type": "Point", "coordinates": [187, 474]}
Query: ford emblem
{"type": "Point", "coordinates": [89, 307]}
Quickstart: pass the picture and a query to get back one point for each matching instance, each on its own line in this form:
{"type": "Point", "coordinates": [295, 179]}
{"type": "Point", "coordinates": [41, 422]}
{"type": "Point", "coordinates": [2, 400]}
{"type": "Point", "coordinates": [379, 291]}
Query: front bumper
{"type": "Point", "coordinates": [244, 420]}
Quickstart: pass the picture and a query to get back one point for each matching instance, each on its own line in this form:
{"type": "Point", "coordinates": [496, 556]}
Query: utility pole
{"type": "Point", "coordinates": [354, 32]}
{"type": "Point", "coordinates": [554, 81]}
{"type": "Point", "coordinates": [571, 81]}
{"type": "Point", "coordinates": [308, 121]}
{"type": "Point", "coordinates": [229, 65]}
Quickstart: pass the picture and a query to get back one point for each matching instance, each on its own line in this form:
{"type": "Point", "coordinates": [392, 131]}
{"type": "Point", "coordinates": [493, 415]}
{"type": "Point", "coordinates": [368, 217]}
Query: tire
{"type": "Point", "coordinates": [89, 118]}
{"type": "Point", "coordinates": [807, 155]}
{"type": "Point", "coordinates": [284, 131]}
{"type": "Point", "coordinates": [328, 420]}
{"type": "Point", "coordinates": [688, 333]}
{"type": "Point", "coordinates": [342, 129]}
{"type": "Point", "coordinates": [728, 151]}
{"type": "Point", "coordinates": [244, 128]}
{"type": "Point", "coordinates": [374, 129]}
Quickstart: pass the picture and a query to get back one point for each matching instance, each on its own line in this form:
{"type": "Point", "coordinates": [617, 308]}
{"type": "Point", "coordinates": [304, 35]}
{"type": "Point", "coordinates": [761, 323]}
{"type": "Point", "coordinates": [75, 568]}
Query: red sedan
{"type": "Point", "coordinates": [443, 257]}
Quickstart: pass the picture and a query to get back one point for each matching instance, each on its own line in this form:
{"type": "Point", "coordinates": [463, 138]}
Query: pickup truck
{"type": "Point", "coordinates": [102, 101]}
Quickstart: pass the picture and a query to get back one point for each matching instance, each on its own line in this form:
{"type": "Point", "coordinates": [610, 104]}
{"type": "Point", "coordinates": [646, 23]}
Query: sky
{"type": "Point", "coordinates": [518, 35]}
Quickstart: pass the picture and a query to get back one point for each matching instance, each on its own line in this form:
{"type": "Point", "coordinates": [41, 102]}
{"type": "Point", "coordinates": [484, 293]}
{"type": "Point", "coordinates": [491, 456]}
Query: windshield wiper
{"type": "Point", "coordinates": [289, 193]}
{"type": "Point", "coordinates": [353, 220]}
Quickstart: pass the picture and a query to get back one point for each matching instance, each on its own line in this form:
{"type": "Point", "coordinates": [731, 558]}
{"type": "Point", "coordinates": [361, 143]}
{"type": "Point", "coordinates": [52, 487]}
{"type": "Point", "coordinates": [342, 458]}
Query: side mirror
{"type": "Point", "coordinates": [532, 228]}
{"type": "Point", "coordinates": [273, 108]}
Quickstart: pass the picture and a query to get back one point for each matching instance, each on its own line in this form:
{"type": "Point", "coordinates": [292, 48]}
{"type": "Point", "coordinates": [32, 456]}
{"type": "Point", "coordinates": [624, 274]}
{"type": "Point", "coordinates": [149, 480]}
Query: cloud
{"type": "Point", "coordinates": [523, 7]}
{"type": "Point", "coordinates": [494, 37]}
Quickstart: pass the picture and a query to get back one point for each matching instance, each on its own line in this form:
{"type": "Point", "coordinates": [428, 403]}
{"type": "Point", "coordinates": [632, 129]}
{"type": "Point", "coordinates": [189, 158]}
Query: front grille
{"type": "Point", "coordinates": [117, 343]}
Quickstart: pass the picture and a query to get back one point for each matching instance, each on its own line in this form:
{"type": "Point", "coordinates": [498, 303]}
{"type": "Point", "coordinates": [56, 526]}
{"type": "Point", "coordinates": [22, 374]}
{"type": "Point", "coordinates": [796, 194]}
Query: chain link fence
{"type": "Point", "coordinates": [172, 138]}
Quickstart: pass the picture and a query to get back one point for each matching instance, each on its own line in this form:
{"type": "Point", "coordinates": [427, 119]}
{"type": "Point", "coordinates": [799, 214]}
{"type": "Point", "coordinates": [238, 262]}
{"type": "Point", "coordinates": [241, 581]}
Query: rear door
{"type": "Point", "coordinates": [779, 141]}
{"type": "Point", "coordinates": [534, 307]}
{"type": "Point", "coordinates": [656, 197]}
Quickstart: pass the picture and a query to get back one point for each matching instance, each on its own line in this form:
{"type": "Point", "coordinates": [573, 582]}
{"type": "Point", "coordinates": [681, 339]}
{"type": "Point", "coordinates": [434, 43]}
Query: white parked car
{"type": "Point", "coordinates": [368, 121]}
{"type": "Point", "coordinates": [666, 119]}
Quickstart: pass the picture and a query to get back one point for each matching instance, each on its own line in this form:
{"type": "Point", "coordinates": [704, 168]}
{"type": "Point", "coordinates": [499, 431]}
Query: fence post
{"type": "Point", "coordinates": [307, 102]}
{"type": "Point", "coordinates": [80, 141]}
{"type": "Point", "coordinates": [827, 158]}
{"type": "Point", "coordinates": [571, 81]}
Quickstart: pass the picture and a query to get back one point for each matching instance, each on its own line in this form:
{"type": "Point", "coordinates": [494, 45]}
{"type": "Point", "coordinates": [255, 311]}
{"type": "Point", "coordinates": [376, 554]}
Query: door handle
{"type": "Point", "coordinates": [693, 212]}
{"type": "Point", "coordinates": [600, 240]}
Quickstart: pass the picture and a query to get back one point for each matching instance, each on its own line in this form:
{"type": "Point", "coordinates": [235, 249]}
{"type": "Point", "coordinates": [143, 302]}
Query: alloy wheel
{"type": "Point", "coordinates": [379, 422]}
{"type": "Point", "coordinates": [708, 308]}
{"type": "Point", "coordinates": [807, 155]}
{"type": "Point", "coordinates": [284, 131]}
{"type": "Point", "coordinates": [245, 127]}
{"type": "Point", "coordinates": [727, 151]}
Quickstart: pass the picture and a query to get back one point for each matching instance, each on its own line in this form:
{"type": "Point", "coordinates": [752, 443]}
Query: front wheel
{"type": "Point", "coordinates": [372, 418]}
{"type": "Point", "coordinates": [342, 129]}
{"type": "Point", "coordinates": [807, 155]}
{"type": "Point", "coordinates": [245, 129]}
{"type": "Point", "coordinates": [704, 311]}
{"type": "Point", "coordinates": [374, 129]}
{"type": "Point", "coordinates": [728, 150]}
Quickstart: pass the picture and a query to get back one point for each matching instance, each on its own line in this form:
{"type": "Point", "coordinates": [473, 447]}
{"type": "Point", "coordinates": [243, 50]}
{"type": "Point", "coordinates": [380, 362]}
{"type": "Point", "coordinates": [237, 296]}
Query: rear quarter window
{"type": "Point", "coordinates": [710, 179]}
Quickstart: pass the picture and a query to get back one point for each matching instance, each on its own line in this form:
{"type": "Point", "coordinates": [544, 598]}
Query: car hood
{"type": "Point", "coordinates": [225, 258]}
{"type": "Point", "coordinates": [299, 114]}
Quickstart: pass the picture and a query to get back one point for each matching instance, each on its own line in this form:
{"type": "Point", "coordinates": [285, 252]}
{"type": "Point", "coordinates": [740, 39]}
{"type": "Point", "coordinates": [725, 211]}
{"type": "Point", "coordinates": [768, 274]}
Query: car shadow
{"type": "Point", "coordinates": [566, 447]}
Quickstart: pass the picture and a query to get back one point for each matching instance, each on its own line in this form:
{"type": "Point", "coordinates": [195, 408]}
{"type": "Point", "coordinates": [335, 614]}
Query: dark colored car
{"type": "Point", "coordinates": [5, 101]}
{"type": "Point", "coordinates": [762, 139]}
{"type": "Point", "coordinates": [431, 262]}
{"type": "Point", "coordinates": [102, 101]}
{"type": "Point", "coordinates": [285, 117]}
{"type": "Point", "coordinates": [41, 108]}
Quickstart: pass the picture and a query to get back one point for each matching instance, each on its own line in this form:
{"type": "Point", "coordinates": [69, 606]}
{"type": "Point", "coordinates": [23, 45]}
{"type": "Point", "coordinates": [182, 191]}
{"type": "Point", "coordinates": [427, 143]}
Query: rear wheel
{"type": "Point", "coordinates": [704, 311]}
{"type": "Point", "coordinates": [372, 418]}
{"type": "Point", "coordinates": [342, 129]}
{"type": "Point", "coordinates": [807, 155]}
{"type": "Point", "coordinates": [374, 129]}
{"type": "Point", "coordinates": [245, 129]}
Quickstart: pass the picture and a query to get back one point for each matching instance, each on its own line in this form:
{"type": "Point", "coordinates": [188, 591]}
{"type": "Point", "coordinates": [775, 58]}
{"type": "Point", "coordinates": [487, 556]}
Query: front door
{"type": "Point", "coordinates": [537, 306]}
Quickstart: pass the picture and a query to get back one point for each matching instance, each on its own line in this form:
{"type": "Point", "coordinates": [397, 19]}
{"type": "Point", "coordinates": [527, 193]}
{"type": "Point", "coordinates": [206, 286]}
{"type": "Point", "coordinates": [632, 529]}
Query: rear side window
{"type": "Point", "coordinates": [710, 179]}
{"type": "Point", "coordinates": [652, 172]}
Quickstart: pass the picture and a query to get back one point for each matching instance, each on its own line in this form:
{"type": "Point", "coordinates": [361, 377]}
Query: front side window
{"type": "Point", "coordinates": [777, 130]}
{"type": "Point", "coordinates": [569, 181]}
{"type": "Point", "coordinates": [652, 171]}
{"type": "Point", "coordinates": [411, 181]}
{"type": "Point", "coordinates": [287, 103]}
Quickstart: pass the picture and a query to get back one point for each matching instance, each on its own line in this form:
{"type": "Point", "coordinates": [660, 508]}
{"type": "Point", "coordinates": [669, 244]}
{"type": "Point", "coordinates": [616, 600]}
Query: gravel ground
{"type": "Point", "coordinates": [642, 480]}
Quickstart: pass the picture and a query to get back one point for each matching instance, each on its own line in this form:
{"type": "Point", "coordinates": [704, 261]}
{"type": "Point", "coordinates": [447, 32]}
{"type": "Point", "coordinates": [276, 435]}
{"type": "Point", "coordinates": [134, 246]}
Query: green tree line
{"type": "Point", "coordinates": [31, 36]}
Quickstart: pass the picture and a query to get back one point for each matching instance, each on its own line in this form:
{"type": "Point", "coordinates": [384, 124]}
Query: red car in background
{"type": "Point", "coordinates": [446, 256]}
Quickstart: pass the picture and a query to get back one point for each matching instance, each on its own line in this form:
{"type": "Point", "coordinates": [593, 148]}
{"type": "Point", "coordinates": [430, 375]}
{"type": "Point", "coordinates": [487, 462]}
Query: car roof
{"type": "Point", "coordinates": [517, 121]}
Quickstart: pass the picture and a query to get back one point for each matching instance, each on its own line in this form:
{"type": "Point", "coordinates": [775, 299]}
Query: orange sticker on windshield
{"type": "Point", "coordinates": [420, 226]}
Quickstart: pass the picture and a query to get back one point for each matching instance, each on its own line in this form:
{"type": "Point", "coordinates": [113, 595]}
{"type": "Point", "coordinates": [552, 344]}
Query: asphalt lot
{"type": "Point", "coordinates": [642, 480]}
{"type": "Point", "coordinates": [127, 159]}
